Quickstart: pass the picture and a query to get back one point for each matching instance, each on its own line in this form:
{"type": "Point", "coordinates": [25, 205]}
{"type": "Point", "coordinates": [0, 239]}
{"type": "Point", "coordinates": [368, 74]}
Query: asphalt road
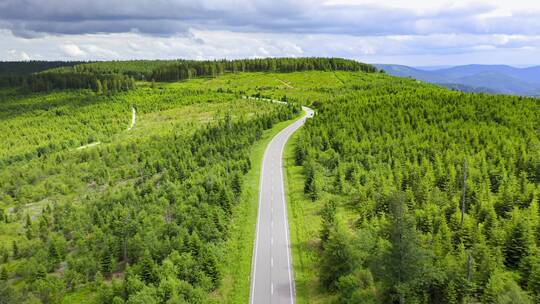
{"type": "Point", "coordinates": [272, 278]}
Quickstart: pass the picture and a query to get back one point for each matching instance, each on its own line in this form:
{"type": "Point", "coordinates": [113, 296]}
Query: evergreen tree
{"type": "Point", "coordinates": [15, 249]}
{"type": "Point", "coordinates": [106, 263]}
{"type": "Point", "coordinates": [328, 215]}
{"type": "Point", "coordinates": [4, 275]}
{"type": "Point", "coordinates": [516, 246]}
{"type": "Point", "coordinates": [338, 257]}
{"type": "Point", "coordinates": [403, 261]}
{"type": "Point", "coordinates": [146, 265]}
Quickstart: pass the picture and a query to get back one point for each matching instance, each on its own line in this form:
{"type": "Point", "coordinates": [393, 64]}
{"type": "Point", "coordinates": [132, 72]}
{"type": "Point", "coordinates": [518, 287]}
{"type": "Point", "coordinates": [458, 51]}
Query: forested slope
{"type": "Point", "coordinates": [103, 77]}
{"type": "Point", "coordinates": [423, 195]}
{"type": "Point", "coordinates": [399, 192]}
{"type": "Point", "coordinates": [141, 218]}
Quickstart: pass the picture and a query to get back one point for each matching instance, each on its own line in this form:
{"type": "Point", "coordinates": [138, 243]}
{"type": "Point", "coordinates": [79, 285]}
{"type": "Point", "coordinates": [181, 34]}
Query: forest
{"type": "Point", "coordinates": [398, 191]}
{"type": "Point", "coordinates": [423, 195]}
{"type": "Point", "coordinates": [103, 77]}
{"type": "Point", "coordinates": [142, 217]}
{"type": "Point", "coordinates": [9, 68]}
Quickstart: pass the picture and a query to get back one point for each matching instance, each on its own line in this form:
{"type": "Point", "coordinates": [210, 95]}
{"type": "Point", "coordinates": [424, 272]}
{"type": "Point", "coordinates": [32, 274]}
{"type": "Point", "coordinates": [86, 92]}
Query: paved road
{"type": "Point", "coordinates": [272, 279]}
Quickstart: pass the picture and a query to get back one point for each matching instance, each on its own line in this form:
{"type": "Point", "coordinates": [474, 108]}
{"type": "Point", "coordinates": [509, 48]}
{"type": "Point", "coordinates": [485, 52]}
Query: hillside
{"type": "Point", "coordinates": [497, 79]}
{"type": "Point", "coordinates": [401, 191]}
{"type": "Point", "coordinates": [392, 176]}
{"type": "Point", "coordinates": [95, 209]}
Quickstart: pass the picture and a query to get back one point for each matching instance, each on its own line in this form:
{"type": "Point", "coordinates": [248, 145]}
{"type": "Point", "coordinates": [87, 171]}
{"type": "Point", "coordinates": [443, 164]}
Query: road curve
{"type": "Point", "coordinates": [272, 279]}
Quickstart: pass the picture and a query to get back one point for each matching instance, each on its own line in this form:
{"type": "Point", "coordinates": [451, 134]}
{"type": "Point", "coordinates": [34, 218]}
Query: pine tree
{"type": "Point", "coordinates": [534, 278]}
{"type": "Point", "coordinates": [4, 275]}
{"type": "Point", "coordinates": [403, 261]}
{"type": "Point", "coordinates": [338, 257]}
{"type": "Point", "coordinates": [328, 215]}
{"type": "Point", "coordinates": [28, 226]}
{"type": "Point", "coordinates": [450, 293]}
{"type": "Point", "coordinates": [147, 268]}
{"type": "Point", "coordinates": [106, 263]}
{"type": "Point", "coordinates": [236, 184]}
{"type": "Point", "coordinates": [99, 86]}
{"type": "Point", "coordinates": [15, 250]}
{"type": "Point", "coordinates": [516, 246]}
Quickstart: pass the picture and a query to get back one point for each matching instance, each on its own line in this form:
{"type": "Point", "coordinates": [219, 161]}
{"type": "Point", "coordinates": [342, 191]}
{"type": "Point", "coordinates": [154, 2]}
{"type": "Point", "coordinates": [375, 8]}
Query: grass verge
{"type": "Point", "coordinates": [235, 286]}
{"type": "Point", "coordinates": [304, 229]}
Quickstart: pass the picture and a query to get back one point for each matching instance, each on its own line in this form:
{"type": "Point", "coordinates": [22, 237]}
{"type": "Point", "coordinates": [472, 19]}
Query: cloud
{"type": "Point", "coordinates": [409, 32]}
{"type": "Point", "coordinates": [211, 44]}
{"type": "Point", "coordinates": [72, 50]}
{"type": "Point", "coordinates": [18, 56]}
{"type": "Point", "coordinates": [30, 18]}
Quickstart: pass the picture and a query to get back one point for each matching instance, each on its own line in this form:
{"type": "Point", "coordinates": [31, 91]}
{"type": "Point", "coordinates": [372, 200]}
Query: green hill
{"type": "Point", "coordinates": [92, 211]}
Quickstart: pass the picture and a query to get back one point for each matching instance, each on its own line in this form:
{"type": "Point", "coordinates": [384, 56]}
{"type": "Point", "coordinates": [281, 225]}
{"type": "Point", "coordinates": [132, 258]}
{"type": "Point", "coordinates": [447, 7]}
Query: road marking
{"type": "Point", "coordinates": [272, 262]}
{"type": "Point", "coordinates": [272, 240]}
{"type": "Point", "coordinates": [272, 288]}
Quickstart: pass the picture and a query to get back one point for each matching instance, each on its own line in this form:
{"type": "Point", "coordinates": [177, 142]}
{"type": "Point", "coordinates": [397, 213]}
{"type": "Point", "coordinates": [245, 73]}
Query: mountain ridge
{"type": "Point", "coordinates": [495, 79]}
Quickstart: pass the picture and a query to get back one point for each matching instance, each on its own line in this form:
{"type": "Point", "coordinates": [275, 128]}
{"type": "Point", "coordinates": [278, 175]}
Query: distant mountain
{"type": "Point", "coordinates": [495, 79]}
{"type": "Point", "coordinates": [406, 71]}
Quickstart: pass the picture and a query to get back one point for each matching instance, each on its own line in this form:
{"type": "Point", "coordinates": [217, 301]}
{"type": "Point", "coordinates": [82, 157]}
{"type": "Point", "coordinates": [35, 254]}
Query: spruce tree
{"type": "Point", "coordinates": [146, 265]}
{"type": "Point", "coordinates": [516, 246]}
{"type": "Point", "coordinates": [4, 275]}
{"type": "Point", "coordinates": [403, 261]}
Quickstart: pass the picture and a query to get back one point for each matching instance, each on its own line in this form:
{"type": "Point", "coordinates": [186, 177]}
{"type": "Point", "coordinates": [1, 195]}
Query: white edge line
{"type": "Point", "coordinates": [291, 289]}
{"type": "Point", "coordinates": [254, 259]}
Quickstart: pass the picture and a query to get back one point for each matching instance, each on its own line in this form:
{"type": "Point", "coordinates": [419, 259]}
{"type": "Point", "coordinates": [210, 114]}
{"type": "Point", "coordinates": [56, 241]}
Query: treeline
{"type": "Point", "coordinates": [189, 69]}
{"type": "Point", "coordinates": [426, 195]}
{"type": "Point", "coordinates": [48, 81]}
{"type": "Point", "coordinates": [173, 70]}
{"type": "Point", "coordinates": [119, 76]}
{"type": "Point", "coordinates": [19, 68]}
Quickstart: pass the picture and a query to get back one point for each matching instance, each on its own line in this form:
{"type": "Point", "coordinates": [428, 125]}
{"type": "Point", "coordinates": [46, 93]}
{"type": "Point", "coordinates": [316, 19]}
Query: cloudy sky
{"type": "Point", "coordinates": [412, 32]}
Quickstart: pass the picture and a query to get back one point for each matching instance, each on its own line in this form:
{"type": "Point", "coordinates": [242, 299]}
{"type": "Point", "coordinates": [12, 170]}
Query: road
{"type": "Point", "coordinates": [272, 279]}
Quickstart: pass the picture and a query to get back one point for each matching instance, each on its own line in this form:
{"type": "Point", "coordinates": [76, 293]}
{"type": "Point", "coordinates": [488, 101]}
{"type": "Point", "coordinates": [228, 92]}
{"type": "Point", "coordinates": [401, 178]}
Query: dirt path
{"type": "Point", "coordinates": [133, 118]}
{"type": "Point", "coordinates": [285, 83]}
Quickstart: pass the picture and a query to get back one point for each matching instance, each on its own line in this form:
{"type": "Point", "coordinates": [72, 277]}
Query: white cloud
{"type": "Point", "coordinates": [414, 32]}
{"type": "Point", "coordinates": [17, 56]}
{"type": "Point", "coordinates": [72, 50]}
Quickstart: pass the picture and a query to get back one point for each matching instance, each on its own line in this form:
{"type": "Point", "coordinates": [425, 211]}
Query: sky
{"type": "Point", "coordinates": [410, 32]}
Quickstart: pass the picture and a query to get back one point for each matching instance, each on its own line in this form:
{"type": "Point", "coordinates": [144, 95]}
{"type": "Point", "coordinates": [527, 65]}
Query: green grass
{"type": "Point", "coordinates": [235, 286]}
{"type": "Point", "coordinates": [304, 228]}
{"type": "Point", "coordinates": [82, 296]}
